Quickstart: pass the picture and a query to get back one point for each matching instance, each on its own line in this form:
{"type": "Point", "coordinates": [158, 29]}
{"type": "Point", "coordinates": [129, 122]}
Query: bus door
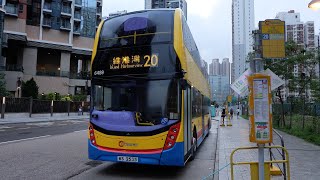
{"type": "Point", "coordinates": [202, 114]}
{"type": "Point", "coordinates": [187, 120]}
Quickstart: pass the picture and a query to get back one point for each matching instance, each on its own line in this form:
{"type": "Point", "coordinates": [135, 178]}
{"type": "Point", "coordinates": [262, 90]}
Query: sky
{"type": "Point", "coordinates": [210, 21]}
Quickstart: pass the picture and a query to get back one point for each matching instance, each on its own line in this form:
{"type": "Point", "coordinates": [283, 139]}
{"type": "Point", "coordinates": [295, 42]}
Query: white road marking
{"type": "Point", "coordinates": [23, 128]}
{"type": "Point", "coordinates": [5, 127]}
{"type": "Point", "coordinates": [79, 131]}
{"type": "Point", "coordinates": [40, 124]}
{"type": "Point", "coordinates": [19, 140]}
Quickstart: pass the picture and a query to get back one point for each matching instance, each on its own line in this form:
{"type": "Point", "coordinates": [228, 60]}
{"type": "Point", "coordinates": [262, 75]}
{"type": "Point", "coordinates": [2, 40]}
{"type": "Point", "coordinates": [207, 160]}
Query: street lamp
{"type": "Point", "coordinates": [314, 4]}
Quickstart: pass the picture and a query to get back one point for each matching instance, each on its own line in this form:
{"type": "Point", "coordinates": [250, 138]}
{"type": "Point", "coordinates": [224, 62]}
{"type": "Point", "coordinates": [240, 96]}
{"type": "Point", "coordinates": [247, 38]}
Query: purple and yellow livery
{"type": "Point", "coordinates": [150, 100]}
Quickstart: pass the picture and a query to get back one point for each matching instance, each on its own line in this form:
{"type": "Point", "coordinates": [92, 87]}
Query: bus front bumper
{"type": "Point", "coordinates": [171, 157]}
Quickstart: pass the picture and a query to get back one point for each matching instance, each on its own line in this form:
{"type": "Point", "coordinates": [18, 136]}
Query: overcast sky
{"type": "Point", "coordinates": [210, 20]}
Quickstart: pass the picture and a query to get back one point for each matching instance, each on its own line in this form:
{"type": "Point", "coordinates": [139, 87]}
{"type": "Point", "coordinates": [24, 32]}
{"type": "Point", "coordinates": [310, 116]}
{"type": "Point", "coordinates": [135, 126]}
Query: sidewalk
{"type": "Point", "coordinates": [13, 118]}
{"type": "Point", "coordinates": [302, 155]}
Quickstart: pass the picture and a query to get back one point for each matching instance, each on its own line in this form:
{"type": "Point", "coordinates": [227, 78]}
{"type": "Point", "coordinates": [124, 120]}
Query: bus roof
{"type": "Point", "coordinates": [141, 11]}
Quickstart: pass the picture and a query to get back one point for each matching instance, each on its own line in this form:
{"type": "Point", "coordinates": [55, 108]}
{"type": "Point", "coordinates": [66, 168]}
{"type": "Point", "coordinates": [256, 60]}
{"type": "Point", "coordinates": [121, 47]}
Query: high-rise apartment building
{"type": "Point", "coordinates": [155, 4]}
{"type": "Point", "coordinates": [242, 27]}
{"type": "Point", "coordinates": [220, 88]}
{"type": "Point", "coordinates": [50, 41]}
{"type": "Point", "coordinates": [297, 31]}
{"type": "Point", "coordinates": [214, 67]}
{"type": "Point", "coordinates": [301, 33]}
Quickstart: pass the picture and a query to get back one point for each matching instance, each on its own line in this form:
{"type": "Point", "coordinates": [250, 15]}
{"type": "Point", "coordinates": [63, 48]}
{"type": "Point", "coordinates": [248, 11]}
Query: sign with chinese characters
{"type": "Point", "coordinates": [260, 108]}
{"type": "Point", "coordinates": [134, 61]}
{"type": "Point", "coordinates": [240, 85]}
{"type": "Point", "coordinates": [273, 38]}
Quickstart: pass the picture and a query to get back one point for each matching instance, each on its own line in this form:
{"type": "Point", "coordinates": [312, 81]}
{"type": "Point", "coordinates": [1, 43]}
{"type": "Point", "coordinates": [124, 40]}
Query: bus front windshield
{"type": "Point", "coordinates": [155, 100]}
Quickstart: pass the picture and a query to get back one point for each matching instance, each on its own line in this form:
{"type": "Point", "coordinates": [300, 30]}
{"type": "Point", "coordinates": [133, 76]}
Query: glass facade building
{"type": "Point", "coordinates": [220, 88]}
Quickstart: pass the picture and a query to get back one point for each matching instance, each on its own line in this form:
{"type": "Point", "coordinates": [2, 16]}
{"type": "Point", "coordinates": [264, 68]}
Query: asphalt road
{"type": "Point", "coordinates": [12, 132]}
{"type": "Point", "coordinates": [63, 155]}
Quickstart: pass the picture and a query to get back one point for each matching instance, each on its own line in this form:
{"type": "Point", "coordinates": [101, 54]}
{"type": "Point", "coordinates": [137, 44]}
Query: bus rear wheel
{"type": "Point", "coordinates": [194, 146]}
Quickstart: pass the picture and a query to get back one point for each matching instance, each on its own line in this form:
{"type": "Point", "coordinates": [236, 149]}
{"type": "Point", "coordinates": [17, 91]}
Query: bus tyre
{"type": "Point", "coordinates": [194, 146]}
{"type": "Point", "coordinates": [209, 127]}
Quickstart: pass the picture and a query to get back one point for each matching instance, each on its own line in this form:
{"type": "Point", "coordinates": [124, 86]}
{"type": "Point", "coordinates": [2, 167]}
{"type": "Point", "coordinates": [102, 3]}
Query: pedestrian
{"type": "Point", "coordinates": [223, 114]}
{"type": "Point", "coordinates": [231, 113]}
{"type": "Point", "coordinates": [80, 110]}
{"type": "Point", "coordinates": [238, 112]}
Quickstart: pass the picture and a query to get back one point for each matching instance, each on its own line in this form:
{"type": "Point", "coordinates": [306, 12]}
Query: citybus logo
{"type": "Point", "coordinates": [123, 144]}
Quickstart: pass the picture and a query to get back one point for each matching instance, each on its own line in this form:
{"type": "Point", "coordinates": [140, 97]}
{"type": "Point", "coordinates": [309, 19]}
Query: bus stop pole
{"type": "Point", "coordinates": [256, 65]}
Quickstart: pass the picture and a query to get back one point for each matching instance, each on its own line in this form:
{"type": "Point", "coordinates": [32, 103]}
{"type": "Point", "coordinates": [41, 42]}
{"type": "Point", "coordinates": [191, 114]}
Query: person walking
{"type": "Point", "coordinates": [238, 113]}
{"type": "Point", "coordinates": [223, 115]}
{"type": "Point", "coordinates": [231, 113]}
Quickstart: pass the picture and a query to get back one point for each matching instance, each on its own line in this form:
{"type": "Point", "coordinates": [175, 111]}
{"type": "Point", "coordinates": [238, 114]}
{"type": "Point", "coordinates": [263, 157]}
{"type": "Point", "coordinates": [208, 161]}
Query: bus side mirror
{"type": "Point", "coordinates": [184, 84]}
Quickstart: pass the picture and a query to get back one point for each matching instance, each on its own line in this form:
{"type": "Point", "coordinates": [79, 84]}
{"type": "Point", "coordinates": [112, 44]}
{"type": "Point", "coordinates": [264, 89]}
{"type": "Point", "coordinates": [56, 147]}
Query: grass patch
{"type": "Point", "coordinates": [303, 134]}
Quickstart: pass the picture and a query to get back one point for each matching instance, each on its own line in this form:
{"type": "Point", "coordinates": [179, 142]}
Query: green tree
{"type": "Point", "coordinates": [3, 91]}
{"type": "Point", "coordinates": [296, 57]}
{"type": "Point", "coordinates": [30, 89]}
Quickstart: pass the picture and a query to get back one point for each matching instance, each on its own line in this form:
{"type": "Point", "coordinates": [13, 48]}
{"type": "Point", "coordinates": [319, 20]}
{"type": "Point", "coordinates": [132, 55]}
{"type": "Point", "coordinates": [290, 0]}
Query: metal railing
{"type": "Point", "coordinates": [47, 22]}
{"type": "Point", "coordinates": [65, 25]}
{"type": "Point", "coordinates": [11, 8]}
{"type": "Point", "coordinates": [99, 10]}
{"type": "Point", "coordinates": [37, 106]}
{"type": "Point", "coordinates": [13, 67]}
{"type": "Point", "coordinates": [77, 15]}
{"type": "Point", "coordinates": [76, 30]}
{"type": "Point", "coordinates": [53, 73]}
{"type": "Point", "coordinates": [282, 153]}
{"type": "Point", "coordinates": [286, 160]}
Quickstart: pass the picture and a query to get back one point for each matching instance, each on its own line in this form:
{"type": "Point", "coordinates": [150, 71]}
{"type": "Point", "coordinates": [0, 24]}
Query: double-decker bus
{"type": "Point", "coordinates": [150, 100]}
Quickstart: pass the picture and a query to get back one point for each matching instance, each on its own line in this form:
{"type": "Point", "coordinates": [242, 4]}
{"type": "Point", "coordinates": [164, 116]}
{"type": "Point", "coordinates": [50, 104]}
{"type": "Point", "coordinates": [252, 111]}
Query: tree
{"type": "Point", "coordinates": [296, 58]}
{"type": "Point", "coordinates": [30, 89]}
{"type": "Point", "coordinates": [3, 91]}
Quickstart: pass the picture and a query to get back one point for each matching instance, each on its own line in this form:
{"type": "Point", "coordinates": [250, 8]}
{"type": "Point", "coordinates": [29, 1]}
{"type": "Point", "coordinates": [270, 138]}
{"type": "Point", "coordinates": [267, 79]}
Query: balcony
{"type": "Point", "coordinates": [66, 11]}
{"type": "Point", "coordinates": [46, 22]}
{"type": "Point", "coordinates": [76, 30]}
{"type": "Point", "coordinates": [11, 9]}
{"type": "Point", "coordinates": [47, 7]}
{"type": "Point", "coordinates": [65, 25]}
{"type": "Point", "coordinates": [77, 16]}
{"type": "Point", "coordinates": [78, 3]}
{"type": "Point", "coordinates": [99, 10]}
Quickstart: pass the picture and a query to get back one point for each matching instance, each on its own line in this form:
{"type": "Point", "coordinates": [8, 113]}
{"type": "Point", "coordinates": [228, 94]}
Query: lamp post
{"type": "Point", "coordinates": [314, 4]}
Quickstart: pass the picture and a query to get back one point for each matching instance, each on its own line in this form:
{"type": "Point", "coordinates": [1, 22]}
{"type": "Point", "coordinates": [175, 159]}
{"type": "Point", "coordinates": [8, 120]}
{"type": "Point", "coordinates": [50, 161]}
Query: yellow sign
{"type": "Point", "coordinates": [229, 99]}
{"type": "Point", "coordinates": [273, 38]}
{"type": "Point", "coordinates": [260, 113]}
{"type": "Point", "coordinates": [126, 62]}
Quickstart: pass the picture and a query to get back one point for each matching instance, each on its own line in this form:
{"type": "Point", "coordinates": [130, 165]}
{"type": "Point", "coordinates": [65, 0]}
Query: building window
{"type": "Point", "coordinates": [33, 12]}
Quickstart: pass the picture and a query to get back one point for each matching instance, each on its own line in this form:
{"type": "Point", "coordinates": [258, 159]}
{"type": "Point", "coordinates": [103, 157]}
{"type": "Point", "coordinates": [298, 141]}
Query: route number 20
{"type": "Point", "coordinates": [151, 61]}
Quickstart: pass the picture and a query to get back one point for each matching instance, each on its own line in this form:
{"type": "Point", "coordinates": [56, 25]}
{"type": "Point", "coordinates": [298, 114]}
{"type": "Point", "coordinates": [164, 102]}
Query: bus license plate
{"type": "Point", "coordinates": [127, 159]}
